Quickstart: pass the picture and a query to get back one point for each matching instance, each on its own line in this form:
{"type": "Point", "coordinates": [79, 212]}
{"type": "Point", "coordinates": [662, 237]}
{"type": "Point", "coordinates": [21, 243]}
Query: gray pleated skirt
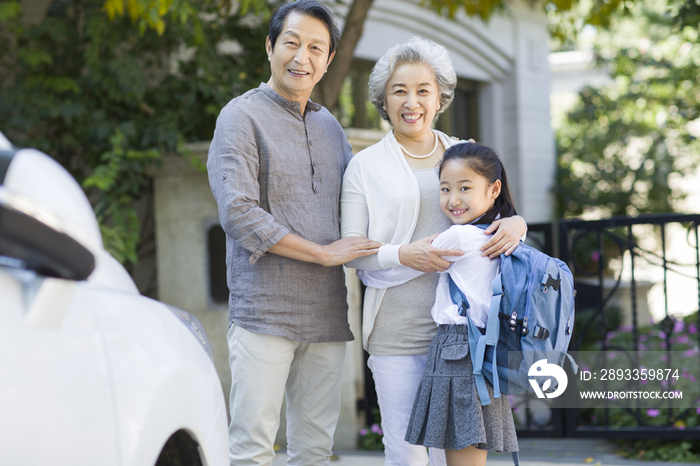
{"type": "Point", "coordinates": [447, 412]}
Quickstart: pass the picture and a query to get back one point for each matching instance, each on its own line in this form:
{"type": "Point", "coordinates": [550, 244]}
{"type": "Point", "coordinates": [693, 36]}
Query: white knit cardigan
{"type": "Point", "coordinates": [380, 199]}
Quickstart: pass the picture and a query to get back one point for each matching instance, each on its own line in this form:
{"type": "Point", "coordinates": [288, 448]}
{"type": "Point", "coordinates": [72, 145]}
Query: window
{"type": "Point", "coordinates": [461, 118]}
{"type": "Point", "coordinates": [216, 245]}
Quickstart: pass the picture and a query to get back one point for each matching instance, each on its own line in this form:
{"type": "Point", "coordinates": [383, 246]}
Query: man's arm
{"type": "Point", "coordinates": [336, 253]}
{"type": "Point", "coordinates": [233, 165]}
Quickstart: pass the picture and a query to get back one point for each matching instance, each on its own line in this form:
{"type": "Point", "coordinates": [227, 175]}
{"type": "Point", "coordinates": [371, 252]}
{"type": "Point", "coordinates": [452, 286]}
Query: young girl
{"type": "Point", "coordinates": [447, 412]}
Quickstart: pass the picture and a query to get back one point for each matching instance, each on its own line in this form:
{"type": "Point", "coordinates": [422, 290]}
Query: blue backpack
{"type": "Point", "coordinates": [531, 313]}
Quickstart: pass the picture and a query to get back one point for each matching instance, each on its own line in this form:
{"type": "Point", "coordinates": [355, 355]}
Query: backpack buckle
{"type": "Point", "coordinates": [540, 333]}
{"type": "Point", "coordinates": [548, 280]}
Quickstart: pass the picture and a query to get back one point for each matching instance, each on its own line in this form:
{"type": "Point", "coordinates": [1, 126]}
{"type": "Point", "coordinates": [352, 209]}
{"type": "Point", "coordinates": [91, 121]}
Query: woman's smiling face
{"type": "Point", "coordinates": [412, 99]}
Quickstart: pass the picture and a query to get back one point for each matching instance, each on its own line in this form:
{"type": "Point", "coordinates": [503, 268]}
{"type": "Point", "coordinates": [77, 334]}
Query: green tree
{"type": "Point", "coordinates": [149, 14]}
{"type": "Point", "coordinates": [108, 86]}
{"type": "Point", "coordinates": [623, 147]}
{"type": "Point", "coordinates": [107, 97]}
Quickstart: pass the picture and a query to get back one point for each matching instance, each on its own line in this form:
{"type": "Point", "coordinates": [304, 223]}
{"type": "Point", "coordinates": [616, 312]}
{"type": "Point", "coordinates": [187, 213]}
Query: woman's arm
{"type": "Point", "coordinates": [387, 278]}
{"type": "Point", "coordinates": [354, 219]}
{"type": "Point", "coordinates": [507, 233]}
{"type": "Point", "coordinates": [448, 241]}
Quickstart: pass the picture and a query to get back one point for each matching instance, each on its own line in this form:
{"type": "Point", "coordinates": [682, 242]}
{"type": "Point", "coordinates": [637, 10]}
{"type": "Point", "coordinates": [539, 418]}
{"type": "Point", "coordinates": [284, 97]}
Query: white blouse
{"type": "Point", "coordinates": [472, 273]}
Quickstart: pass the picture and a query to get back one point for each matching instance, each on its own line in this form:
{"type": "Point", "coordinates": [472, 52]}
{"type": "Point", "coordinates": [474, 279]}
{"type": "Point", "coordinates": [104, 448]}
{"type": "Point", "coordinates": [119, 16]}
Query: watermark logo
{"type": "Point", "coordinates": [542, 369]}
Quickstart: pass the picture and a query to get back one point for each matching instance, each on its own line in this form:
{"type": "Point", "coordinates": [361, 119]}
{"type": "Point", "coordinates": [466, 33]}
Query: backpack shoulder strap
{"type": "Point", "coordinates": [458, 297]}
{"type": "Point", "coordinates": [493, 330]}
{"type": "Point", "coordinates": [479, 342]}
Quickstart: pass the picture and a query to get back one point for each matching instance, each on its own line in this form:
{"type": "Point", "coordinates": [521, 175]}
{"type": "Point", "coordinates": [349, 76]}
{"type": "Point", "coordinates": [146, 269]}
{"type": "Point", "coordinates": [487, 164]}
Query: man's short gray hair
{"type": "Point", "coordinates": [416, 50]}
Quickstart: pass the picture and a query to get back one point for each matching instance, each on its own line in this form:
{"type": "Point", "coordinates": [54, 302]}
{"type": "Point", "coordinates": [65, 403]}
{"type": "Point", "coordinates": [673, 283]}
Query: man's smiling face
{"type": "Point", "coordinates": [300, 57]}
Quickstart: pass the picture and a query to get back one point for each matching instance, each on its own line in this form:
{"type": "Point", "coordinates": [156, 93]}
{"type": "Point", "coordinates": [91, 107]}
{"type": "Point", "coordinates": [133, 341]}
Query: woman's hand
{"type": "Point", "coordinates": [421, 255]}
{"type": "Point", "coordinates": [507, 233]}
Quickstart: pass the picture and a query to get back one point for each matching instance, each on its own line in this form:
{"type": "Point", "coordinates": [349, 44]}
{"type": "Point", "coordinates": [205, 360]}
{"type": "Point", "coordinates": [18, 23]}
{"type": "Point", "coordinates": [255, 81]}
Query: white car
{"type": "Point", "coordinates": [91, 372]}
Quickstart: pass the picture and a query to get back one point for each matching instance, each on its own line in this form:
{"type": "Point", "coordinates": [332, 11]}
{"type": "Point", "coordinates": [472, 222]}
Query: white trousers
{"type": "Point", "coordinates": [263, 369]}
{"type": "Point", "coordinates": [396, 380]}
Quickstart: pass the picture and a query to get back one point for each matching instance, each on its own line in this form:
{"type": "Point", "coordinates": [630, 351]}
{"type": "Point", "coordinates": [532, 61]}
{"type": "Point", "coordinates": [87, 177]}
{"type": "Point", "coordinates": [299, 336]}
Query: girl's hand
{"type": "Point", "coordinates": [421, 255]}
{"type": "Point", "coordinates": [506, 238]}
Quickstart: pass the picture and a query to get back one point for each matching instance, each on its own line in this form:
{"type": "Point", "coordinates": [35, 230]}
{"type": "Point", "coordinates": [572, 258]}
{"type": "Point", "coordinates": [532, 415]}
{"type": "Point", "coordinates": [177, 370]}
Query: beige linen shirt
{"type": "Point", "coordinates": [274, 172]}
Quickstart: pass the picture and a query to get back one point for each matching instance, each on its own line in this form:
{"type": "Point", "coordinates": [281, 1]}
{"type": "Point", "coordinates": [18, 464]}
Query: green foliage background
{"type": "Point", "coordinates": [108, 97]}
{"type": "Point", "coordinates": [623, 147]}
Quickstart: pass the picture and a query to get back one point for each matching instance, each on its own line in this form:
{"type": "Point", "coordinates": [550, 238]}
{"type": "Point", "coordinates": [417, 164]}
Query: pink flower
{"type": "Point", "coordinates": [692, 329]}
{"type": "Point", "coordinates": [595, 256]}
{"type": "Point", "coordinates": [679, 326]}
{"type": "Point", "coordinates": [652, 412]}
{"type": "Point", "coordinates": [376, 429]}
{"type": "Point", "coordinates": [363, 432]}
{"type": "Point", "coordinates": [662, 335]}
{"type": "Point", "coordinates": [664, 358]}
{"type": "Point", "coordinates": [697, 410]}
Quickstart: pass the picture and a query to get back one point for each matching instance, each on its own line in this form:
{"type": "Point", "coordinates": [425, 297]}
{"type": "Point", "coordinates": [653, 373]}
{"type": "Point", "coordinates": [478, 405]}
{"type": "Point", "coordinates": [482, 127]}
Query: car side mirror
{"type": "Point", "coordinates": [30, 239]}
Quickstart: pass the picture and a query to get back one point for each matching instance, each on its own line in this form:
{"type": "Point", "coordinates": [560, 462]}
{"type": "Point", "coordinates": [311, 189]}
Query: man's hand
{"type": "Point", "coordinates": [337, 253]}
{"type": "Point", "coordinates": [421, 255]}
{"type": "Point", "coordinates": [346, 249]}
{"type": "Point", "coordinates": [506, 238]}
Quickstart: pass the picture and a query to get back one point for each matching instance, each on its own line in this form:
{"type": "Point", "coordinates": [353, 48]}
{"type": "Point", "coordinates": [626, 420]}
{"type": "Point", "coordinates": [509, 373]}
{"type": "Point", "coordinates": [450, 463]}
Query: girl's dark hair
{"type": "Point", "coordinates": [311, 8]}
{"type": "Point", "coordinates": [484, 161]}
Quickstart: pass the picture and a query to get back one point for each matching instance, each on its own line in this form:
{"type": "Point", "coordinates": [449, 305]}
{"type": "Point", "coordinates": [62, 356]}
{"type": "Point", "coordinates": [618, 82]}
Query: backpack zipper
{"type": "Point", "coordinates": [529, 289]}
{"type": "Point", "coordinates": [573, 302]}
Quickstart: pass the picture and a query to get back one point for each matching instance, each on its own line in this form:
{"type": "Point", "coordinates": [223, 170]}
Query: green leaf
{"type": "Point", "coordinates": [35, 58]}
{"type": "Point", "coordinates": [9, 11]}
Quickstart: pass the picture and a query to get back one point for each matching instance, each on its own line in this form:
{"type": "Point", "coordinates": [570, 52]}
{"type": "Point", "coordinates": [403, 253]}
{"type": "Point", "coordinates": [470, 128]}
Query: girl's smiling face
{"type": "Point", "coordinates": [464, 194]}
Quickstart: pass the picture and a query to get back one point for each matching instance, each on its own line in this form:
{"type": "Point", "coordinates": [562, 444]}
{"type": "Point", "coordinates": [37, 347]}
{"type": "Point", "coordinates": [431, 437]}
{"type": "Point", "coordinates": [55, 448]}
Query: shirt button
{"type": "Point", "coordinates": [316, 189]}
{"type": "Point", "coordinates": [311, 143]}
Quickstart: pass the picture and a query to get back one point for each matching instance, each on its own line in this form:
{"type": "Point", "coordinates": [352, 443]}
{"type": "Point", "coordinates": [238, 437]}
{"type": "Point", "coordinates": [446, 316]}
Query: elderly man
{"type": "Point", "coordinates": [275, 167]}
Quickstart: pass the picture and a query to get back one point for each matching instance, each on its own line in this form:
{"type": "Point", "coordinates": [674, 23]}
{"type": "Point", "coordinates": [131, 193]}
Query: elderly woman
{"type": "Point", "coordinates": [390, 194]}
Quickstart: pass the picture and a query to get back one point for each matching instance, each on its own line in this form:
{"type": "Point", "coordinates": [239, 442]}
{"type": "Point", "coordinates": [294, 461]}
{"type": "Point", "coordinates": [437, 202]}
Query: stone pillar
{"type": "Point", "coordinates": [528, 142]}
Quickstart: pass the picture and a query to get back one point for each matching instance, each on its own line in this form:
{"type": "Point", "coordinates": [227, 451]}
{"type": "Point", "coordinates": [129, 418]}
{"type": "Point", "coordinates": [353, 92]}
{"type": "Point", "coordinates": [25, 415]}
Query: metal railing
{"type": "Point", "coordinates": [618, 264]}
